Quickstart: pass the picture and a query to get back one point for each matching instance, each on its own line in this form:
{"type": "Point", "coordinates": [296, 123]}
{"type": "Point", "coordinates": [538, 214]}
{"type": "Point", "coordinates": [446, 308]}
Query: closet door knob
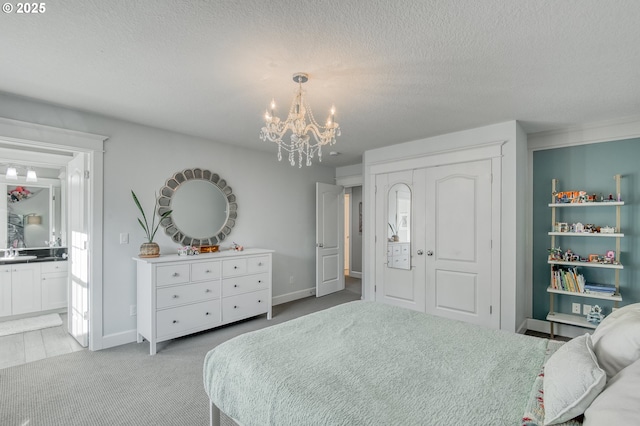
{"type": "Point", "coordinates": [429, 253]}
{"type": "Point", "coordinates": [420, 252]}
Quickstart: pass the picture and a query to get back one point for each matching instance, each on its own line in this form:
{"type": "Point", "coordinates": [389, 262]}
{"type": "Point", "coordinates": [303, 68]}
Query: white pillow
{"type": "Point", "coordinates": [616, 341]}
{"type": "Point", "coordinates": [572, 379]}
{"type": "Point", "coordinates": [619, 403]}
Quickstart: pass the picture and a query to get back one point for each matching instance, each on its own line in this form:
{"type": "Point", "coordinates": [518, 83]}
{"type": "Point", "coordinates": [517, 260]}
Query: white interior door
{"type": "Point", "coordinates": [78, 245]}
{"type": "Point", "coordinates": [399, 287]}
{"type": "Point", "coordinates": [329, 239]}
{"type": "Point", "coordinates": [458, 249]}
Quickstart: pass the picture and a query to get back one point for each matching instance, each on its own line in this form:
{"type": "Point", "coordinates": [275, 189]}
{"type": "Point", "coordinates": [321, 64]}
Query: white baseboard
{"type": "Point", "coordinates": [559, 329]}
{"type": "Point", "coordinates": [355, 274]}
{"type": "Point", "coordinates": [117, 339]}
{"type": "Point", "coordinates": [289, 297]}
{"type": "Point", "coordinates": [523, 327]}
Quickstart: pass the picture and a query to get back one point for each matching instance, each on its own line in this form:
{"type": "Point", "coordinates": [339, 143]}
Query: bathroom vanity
{"type": "Point", "coordinates": [31, 284]}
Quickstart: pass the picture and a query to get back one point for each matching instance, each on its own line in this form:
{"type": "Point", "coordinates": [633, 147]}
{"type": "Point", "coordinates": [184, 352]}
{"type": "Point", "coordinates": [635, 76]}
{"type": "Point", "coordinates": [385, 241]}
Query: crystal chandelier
{"type": "Point", "coordinates": [299, 114]}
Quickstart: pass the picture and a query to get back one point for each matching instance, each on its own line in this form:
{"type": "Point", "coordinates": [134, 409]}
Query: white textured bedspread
{"type": "Point", "coordinates": [366, 363]}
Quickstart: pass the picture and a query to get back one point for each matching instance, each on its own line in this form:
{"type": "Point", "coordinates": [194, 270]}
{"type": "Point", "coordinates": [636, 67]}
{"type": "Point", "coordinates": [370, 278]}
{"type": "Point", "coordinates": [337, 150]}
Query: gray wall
{"type": "Point", "coordinates": [276, 202]}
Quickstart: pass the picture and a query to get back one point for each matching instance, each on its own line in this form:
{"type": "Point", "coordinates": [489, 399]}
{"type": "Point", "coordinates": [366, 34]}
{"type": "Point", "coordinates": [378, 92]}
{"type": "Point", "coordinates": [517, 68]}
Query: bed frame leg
{"type": "Point", "coordinates": [214, 415]}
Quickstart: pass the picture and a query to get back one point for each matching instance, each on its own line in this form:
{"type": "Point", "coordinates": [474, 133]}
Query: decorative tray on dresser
{"type": "Point", "coordinates": [180, 295]}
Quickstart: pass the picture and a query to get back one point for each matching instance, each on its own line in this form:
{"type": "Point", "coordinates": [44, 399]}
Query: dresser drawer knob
{"type": "Point", "coordinates": [175, 274]}
{"type": "Point", "coordinates": [175, 296]}
{"type": "Point", "coordinates": [259, 263]}
{"type": "Point", "coordinates": [175, 321]}
{"type": "Point", "coordinates": [235, 307]}
{"type": "Point", "coordinates": [259, 281]}
{"type": "Point", "coordinates": [207, 313]}
{"type": "Point", "coordinates": [235, 285]}
{"type": "Point", "coordinates": [208, 271]}
{"type": "Point", "coordinates": [259, 301]}
{"type": "Point", "coordinates": [235, 267]}
{"type": "Point", "coordinates": [207, 290]}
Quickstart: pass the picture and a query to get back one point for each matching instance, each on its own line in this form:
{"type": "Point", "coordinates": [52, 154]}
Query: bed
{"type": "Point", "coordinates": [367, 363]}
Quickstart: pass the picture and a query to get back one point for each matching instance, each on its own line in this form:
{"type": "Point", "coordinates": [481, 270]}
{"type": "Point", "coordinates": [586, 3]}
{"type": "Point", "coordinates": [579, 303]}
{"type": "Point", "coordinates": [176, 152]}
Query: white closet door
{"type": "Point", "coordinates": [399, 287]}
{"type": "Point", "coordinates": [457, 249]}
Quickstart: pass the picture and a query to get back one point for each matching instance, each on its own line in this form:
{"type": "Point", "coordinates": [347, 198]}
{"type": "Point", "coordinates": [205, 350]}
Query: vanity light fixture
{"type": "Point", "coordinates": [34, 219]}
{"type": "Point", "coordinates": [31, 175]}
{"type": "Point", "coordinates": [274, 128]}
{"type": "Point", "coordinates": [12, 173]}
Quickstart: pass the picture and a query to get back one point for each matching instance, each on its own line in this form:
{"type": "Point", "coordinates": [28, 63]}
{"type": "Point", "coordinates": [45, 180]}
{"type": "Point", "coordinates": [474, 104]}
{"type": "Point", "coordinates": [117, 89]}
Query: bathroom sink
{"type": "Point", "coordinates": [17, 258]}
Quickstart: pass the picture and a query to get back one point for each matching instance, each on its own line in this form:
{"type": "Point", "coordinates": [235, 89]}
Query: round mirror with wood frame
{"type": "Point", "coordinates": [203, 208]}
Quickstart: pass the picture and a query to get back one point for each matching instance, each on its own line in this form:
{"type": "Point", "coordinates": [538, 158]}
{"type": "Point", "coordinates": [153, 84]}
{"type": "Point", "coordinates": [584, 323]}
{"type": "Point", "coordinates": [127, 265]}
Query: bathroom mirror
{"type": "Point", "coordinates": [399, 227]}
{"type": "Point", "coordinates": [203, 208]}
{"type": "Point", "coordinates": [32, 215]}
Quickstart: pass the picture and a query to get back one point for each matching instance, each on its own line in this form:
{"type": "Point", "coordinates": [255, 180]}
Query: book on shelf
{"type": "Point", "coordinates": [601, 289]}
{"type": "Point", "coordinates": [567, 279]}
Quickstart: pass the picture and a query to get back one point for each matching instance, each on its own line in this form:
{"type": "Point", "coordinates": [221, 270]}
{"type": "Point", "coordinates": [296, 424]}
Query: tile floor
{"type": "Point", "coordinates": [16, 349]}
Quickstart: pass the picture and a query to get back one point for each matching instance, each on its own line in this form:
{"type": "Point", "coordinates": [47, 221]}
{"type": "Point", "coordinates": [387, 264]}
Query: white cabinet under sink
{"type": "Point", "coordinates": [27, 288]}
{"type": "Point", "coordinates": [26, 296]}
{"type": "Point", "coordinates": [54, 282]}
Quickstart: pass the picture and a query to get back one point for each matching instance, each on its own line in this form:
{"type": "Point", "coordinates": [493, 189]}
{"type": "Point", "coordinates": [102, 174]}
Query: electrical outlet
{"type": "Point", "coordinates": [133, 310]}
{"type": "Point", "coordinates": [586, 309]}
{"type": "Point", "coordinates": [575, 308]}
{"type": "Point", "coordinates": [124, 238]}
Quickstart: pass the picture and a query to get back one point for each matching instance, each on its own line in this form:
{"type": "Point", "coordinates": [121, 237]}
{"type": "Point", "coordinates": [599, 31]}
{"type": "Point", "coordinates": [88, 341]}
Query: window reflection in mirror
{"type": "Point", "coordinates": [399, 229]}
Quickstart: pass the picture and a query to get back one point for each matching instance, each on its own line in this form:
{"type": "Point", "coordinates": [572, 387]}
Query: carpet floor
{"type": "Point", "coordinates": [126, 386]}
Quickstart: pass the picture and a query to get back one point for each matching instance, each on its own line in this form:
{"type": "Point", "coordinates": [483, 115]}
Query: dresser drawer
{"type": "Point", "coordinates": [172, 274]}
{"type": "Point", "coordinates": [234, 267]}
{"type": "Point", "coordinates": [181, 294]}
{"type": "Point", "coordinates": [239, 285]}
{"type": "Point", "coordinates": [245, 305]}
{"type": "Point", "coordinates": [57, 266]}
{"type": "Point", "coordinates": [183, 318]}
{"type": "Point", "coordinates": [258, 264]}
{"type": "Point", "coordinates": [204, 271]}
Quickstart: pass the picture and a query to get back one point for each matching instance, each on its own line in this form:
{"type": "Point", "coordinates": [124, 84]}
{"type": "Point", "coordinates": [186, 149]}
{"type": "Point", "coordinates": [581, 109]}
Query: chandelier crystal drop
{"type": "Point", "coordinates": [302, 125]}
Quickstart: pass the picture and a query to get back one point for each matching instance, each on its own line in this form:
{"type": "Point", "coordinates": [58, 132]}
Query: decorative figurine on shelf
{"type": "Point", "coordinates": [236, 247]}
{"type": "Point", "coordinates": [555, 253]}
{"type": "Point", "coordinates": [595, 316]}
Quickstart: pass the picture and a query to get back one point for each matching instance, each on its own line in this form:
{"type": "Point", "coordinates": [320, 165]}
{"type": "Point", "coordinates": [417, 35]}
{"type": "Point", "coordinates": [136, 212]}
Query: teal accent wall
{"type": "Point", "coordinates": [590, 168]}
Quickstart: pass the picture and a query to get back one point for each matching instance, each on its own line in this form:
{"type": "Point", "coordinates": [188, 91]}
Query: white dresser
{"type": "Point", "coordinates": [180, 295]}
{"type": "Point", "coordinates": [398, 255]}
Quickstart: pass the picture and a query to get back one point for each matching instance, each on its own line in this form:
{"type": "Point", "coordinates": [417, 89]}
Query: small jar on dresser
{"type": "Point", "coordinates": [180, 295]}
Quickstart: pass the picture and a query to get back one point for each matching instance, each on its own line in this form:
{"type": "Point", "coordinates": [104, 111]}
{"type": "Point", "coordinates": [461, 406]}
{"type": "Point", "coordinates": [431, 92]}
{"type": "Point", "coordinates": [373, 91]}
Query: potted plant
{"type": "Point", "coordinates": [150, 248]}
{"type": "Point", "coordinates": [394, 234]}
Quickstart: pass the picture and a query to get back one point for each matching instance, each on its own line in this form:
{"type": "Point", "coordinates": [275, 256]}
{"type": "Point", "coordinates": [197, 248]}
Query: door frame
{"type": "Point", "coordinates": [25, 134]}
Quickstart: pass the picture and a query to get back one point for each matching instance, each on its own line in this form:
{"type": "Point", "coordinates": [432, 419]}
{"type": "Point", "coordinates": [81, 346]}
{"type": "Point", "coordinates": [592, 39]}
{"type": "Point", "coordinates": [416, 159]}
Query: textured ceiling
{"type": "Point", "coordinates": [396, 71]}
